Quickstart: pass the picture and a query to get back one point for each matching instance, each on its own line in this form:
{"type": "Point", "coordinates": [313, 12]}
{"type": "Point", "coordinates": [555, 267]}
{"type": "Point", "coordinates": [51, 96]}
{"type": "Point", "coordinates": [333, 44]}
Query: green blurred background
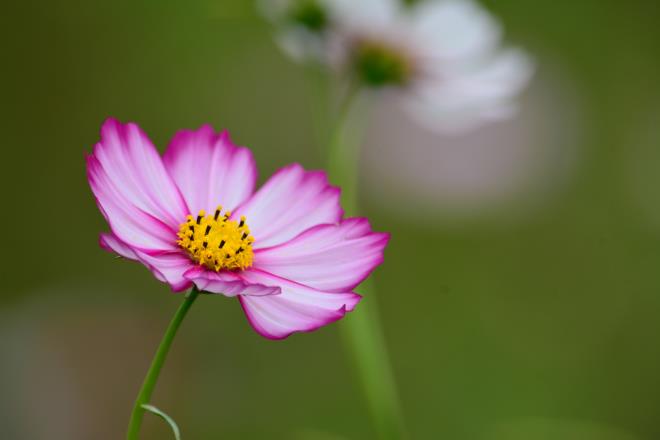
{"type": "Point", "coordinates": [540, 326]}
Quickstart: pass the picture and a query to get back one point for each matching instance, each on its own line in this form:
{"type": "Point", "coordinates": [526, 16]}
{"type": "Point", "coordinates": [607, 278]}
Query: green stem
{"type": "Point", "coordinates": [362, 333]}
{"type": "Point", "coordinates": [157, 364]}
{"type": "Point", "coordinates": [363, 336]}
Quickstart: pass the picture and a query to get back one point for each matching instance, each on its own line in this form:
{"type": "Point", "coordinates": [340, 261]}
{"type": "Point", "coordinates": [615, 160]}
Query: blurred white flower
{"type": "Point", "coordinates": [501, 172]}
{"type": "Point", "coordinates": [302, 27]}
{"type": "Point", "coordinates": [443, 57]}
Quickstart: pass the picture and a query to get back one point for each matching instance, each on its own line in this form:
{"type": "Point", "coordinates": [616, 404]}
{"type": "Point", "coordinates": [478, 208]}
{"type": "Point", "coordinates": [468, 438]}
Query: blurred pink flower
{"type": "Point", "coordinates": [293, 270]}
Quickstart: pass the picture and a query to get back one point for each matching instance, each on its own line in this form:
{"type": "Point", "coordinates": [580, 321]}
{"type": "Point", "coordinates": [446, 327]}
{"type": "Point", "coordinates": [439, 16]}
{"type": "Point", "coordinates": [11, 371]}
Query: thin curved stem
{"type": "Point", "coordinates": [156, 365]}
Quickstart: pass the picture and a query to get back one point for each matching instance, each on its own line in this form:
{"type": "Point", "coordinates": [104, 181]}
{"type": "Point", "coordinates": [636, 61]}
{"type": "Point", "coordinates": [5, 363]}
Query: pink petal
{"type": "Point", "coordinates": [209, 170]}
{"type": "Point", "coordinates": [297, 309]}
{"type": "Point", "coordinates": [291, 201]}
{"type": "Point", "coordinates": [111, 243]}
{"type": "Point", "coordinates": [228, 283]}
{"type": "Point", "coordinates": [327, 257]}
{"type": "Point", "coordinates": [132, 188]}
{"type": "Point", "coordinates": [128, 222]}
{"type": "Point", "coordinates": [168, 267]}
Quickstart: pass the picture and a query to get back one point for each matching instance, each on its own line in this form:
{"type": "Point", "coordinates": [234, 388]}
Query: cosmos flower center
{"type": "Point", "coordinates": [216, 242]}
{"type": "Point", "coordinates": [309, 14]}
{"type": "Point", "coordinates": [379, 65]}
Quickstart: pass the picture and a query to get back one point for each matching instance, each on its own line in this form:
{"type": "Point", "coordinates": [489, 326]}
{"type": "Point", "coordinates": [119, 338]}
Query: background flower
{"type": "Point", "coordinates": [303, 27]}
{"type": "Point", "coordinates": [507, 171]}
{"type": "Point", "coordinates": [443, 56]}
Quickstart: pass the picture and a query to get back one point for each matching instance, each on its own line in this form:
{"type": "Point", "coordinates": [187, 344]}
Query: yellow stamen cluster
{"type": "Point", "coordinates": [216, 242]}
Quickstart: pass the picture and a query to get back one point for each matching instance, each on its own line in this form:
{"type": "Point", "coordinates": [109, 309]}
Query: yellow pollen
{"type": "Point", "coordinates": [216, 242]}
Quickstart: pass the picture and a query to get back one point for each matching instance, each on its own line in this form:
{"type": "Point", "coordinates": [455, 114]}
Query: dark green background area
{"type": "Point", "coordinates": [541, 329]}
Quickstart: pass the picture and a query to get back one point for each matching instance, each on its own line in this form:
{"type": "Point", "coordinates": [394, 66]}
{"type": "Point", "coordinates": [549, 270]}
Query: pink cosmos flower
{"type": "Point", "coordinates": [284, 250]}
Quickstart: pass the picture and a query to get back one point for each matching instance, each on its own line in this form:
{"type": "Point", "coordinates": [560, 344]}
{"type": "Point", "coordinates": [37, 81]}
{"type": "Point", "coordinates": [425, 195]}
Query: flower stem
{"type": "Point", "coordinates": [361, 332]}
{"type": "Point", "coordinates": [363, 336]}
{"type": "Point", "coordinates": [157, 364]}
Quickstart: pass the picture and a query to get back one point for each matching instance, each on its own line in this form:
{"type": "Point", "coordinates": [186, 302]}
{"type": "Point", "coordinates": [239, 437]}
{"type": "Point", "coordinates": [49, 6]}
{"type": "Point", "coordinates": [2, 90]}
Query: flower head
{"type": "Point", "coordinates": [443, 57]}
{"type": "Point", "coordinates": [303, 25]}
{"type": "Point", "coordinates": [193, 218]}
